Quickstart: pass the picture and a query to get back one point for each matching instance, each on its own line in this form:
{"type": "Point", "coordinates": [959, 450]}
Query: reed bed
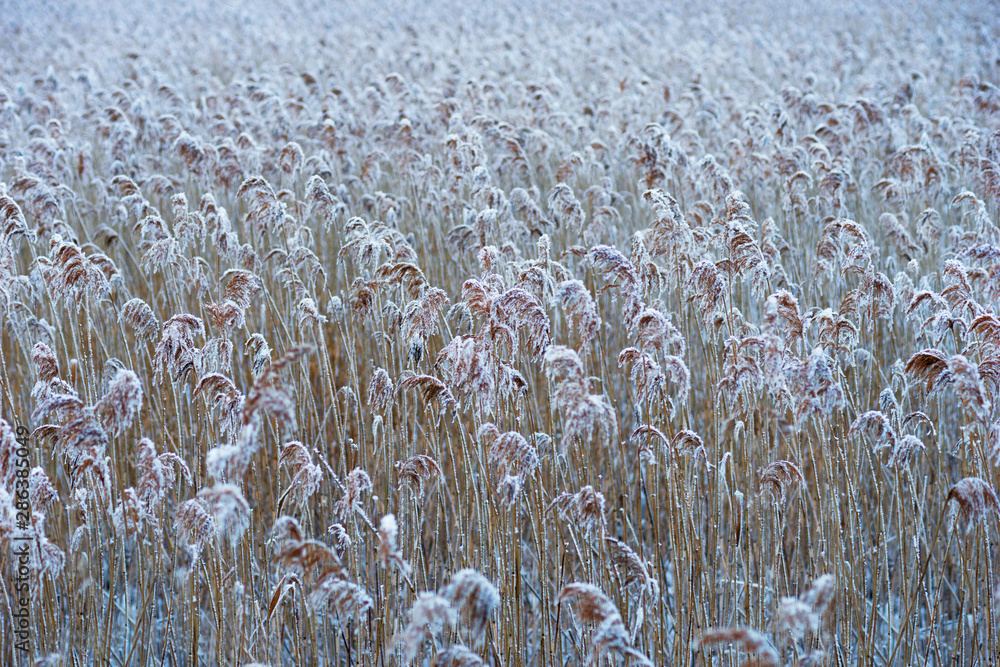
{"type": "Point", "coordinates": [564, 333]}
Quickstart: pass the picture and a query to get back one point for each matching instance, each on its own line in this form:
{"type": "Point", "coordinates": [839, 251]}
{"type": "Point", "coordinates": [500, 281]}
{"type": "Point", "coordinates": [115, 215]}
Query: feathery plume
{"type": "Point", "coordinates": [748, 640]}
{"type": "Point", "coordinates": [428, 616]}
{"type": "Point", "coordinates": [121, 404]}
{"type": "Point", "coordinates": [475, 598]}
{"type": "Point", "coordinates": [779, 478]}
{"type": "Point", "coordinates": [388, 553]}
{"type": "Point", "coordinates": [974, 499]}
{"type": "Point", "coordinates": [417, 473]}
{"type": "Point", "coordinates": [585, 508]}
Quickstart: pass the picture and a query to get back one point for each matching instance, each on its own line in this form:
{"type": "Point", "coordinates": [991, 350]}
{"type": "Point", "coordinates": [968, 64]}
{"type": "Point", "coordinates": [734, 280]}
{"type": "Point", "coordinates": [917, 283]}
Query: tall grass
{"type": "Point", "coordinates": [536, 335]}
